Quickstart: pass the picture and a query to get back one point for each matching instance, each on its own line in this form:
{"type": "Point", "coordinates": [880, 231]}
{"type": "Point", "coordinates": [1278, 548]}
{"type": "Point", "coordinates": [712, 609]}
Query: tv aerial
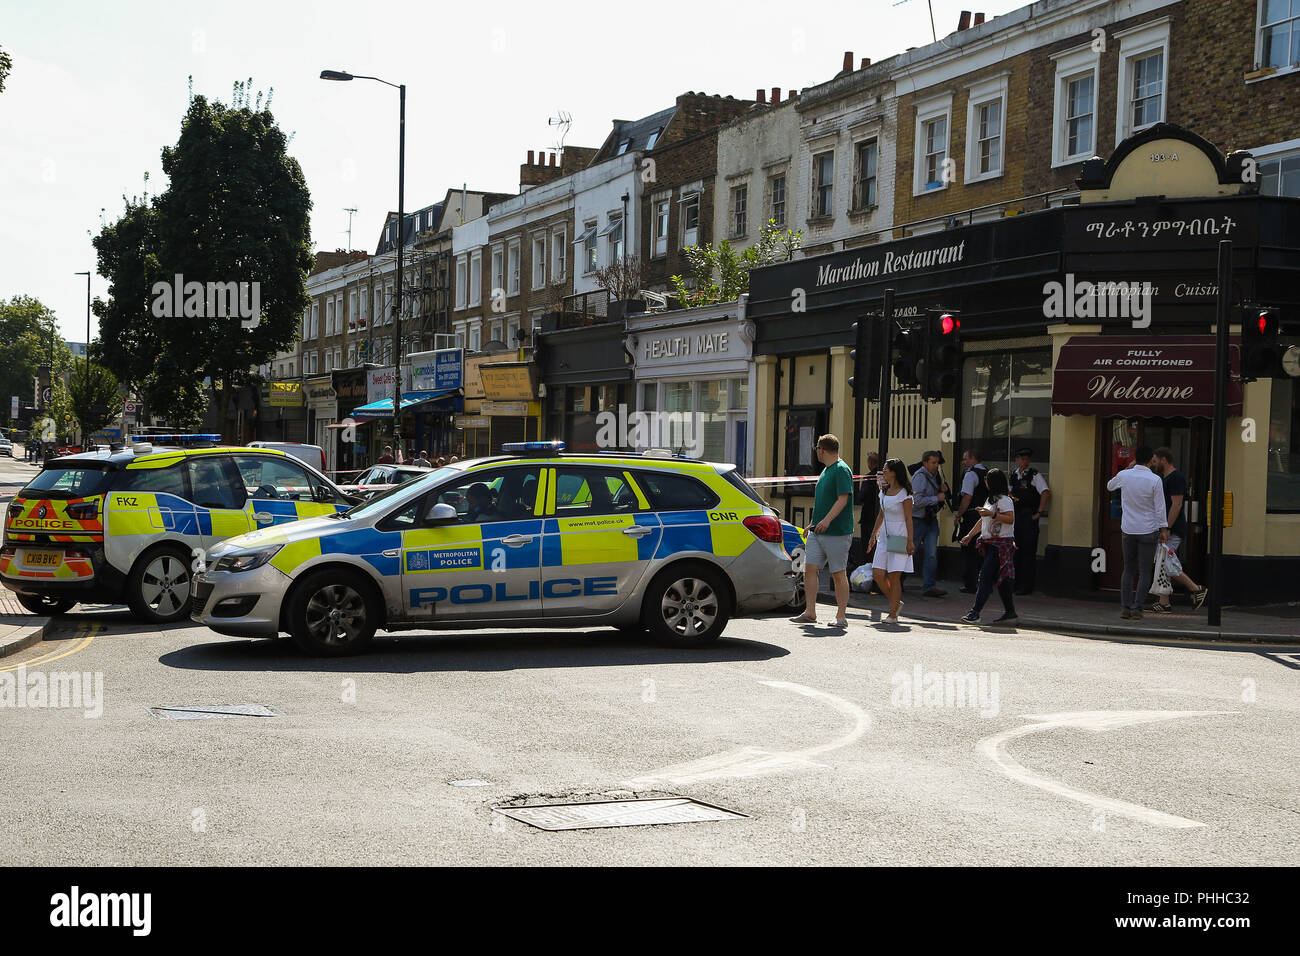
{"type": "Point", "coordinates": [563, 121]}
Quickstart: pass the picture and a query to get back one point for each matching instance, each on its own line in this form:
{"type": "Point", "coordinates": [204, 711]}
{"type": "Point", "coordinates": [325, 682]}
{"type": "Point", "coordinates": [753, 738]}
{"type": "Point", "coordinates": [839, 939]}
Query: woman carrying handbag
{"type": "Point", "coordinates": [894, 555]}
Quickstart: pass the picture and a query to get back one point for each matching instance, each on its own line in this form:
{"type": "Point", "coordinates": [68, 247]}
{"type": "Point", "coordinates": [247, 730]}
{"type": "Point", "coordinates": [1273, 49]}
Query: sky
{"type": "Point", "coordinates": [98, 88]}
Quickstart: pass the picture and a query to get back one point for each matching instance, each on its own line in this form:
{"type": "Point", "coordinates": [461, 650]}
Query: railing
{"type": "Point", "coordinates": [583, 309]}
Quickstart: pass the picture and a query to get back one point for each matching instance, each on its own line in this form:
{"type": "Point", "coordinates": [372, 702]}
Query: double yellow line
{"type": "Point", "coordinates": [91, 631]}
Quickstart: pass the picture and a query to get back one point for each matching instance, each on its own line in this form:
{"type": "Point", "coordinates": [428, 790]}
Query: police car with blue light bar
{"type": "Point", "coordinates": [531, 538]}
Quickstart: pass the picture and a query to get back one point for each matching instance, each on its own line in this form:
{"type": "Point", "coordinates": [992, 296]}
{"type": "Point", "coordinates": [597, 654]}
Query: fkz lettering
{"type": "Point", "coordinates": [483, 593]}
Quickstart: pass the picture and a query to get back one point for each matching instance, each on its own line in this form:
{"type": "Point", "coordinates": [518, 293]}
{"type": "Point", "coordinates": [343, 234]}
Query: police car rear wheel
{"type": "Point", "coordinates": [158, 590]}
{"type": "Point", "coordinates": [331, 615]}
{"type": "Point", "coordinates": [46, 604]}
{"type": "Point", "coordinates": [687, 607]}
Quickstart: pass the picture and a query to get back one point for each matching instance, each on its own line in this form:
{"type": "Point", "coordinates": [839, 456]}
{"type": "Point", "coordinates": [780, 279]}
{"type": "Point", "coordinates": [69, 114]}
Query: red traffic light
{"type": "Point", "coordinates": [948, 323]}
{"type": "Point", "coordinates": [1264, 322]}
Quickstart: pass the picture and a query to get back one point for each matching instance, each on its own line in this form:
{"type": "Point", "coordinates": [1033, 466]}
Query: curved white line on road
{"type": "Point", "coordinates": [752, 761]}
{"type": "Point", "coordinates": [1097, 721]}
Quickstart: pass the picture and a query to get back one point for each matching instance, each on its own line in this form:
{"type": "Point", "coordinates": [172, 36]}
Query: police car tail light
{"type": "Point", "coordinates": [765, 528]}
{"type": "Point", "coordinates": [84, 511]}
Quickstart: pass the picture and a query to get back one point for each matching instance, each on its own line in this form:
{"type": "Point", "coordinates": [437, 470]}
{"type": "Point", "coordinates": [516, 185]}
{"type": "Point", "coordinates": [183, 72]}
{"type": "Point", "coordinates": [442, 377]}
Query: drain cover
{"type": "Point", "coordinates": [618, 813]}
{"type": "Point", "coordinates": [213, 711]}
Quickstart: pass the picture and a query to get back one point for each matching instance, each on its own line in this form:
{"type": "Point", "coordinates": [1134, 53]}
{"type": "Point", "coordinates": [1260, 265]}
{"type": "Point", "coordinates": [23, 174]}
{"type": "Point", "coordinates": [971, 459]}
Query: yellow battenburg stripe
{"type": "Point", "coordinates": [124, 518]}
{"type": "Point", "coordinates": [469, 535]}
{"type": "Point", "coordinates": [293, 555]}
{"type": "Point", "coordinates": [596, 540]}
{"type": "Point", "coordinates": [543, 483]}
{"type": "Point", "coordinates": [730, 537]}
{"type": "Point", "coordinates": [227, 524]}
{"type": "Point", "coordinates": [550, 491]}
{"type": "Point", "coordinates": [636, 490]}
{"type": "Point", "coordinates": [312, 509]}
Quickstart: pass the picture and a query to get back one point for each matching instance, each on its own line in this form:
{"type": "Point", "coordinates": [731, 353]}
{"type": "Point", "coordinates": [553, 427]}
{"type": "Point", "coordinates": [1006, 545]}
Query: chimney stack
{"type": "Point", "coordinates": [848, 61]}
{"type": "Point", "coordinates": [530, 157]}
{"type": "Point", "coordinates": [762, 96]}
{"type": "Point", "coordinates": [552, 159]}
{"type": "Point", "coordinates": [776, 95]}
{"type": "Point", "coordinates": [866, 62]}
{"type": "Point", "coordinates": [979, 18]}
{"type": "Point", "coordinates": [963, 22]}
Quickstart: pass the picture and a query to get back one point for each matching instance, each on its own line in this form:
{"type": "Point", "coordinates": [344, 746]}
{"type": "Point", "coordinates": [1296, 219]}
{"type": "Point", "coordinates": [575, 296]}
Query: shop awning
{"type": "Point", "coordinates": [1153, 376]}
{"type": "Point", "coordinates": [384, 407]}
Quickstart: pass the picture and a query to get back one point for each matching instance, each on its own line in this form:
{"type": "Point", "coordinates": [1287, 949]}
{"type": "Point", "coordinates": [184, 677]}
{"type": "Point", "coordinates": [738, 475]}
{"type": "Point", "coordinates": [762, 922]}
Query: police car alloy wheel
{"type": "Point", "coordinates": [46, 604]}
{"type": "Point", "coordinates": [159, 587]}
{"type": "Point", "coordinates": [332, 614]}
{"type": "Point", "coordinates": [687, 606]}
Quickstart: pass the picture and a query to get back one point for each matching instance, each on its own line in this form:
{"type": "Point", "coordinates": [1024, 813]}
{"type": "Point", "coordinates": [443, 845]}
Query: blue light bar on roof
{"type": "Point", "coordinates": [162, 438]}
{"type": "Point", "coordinates": [533, 447]}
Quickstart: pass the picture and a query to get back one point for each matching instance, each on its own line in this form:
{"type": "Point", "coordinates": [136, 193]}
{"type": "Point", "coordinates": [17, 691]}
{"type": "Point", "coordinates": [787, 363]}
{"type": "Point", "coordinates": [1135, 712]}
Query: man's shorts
{"type": "Point", "coordinates": [828, 551]}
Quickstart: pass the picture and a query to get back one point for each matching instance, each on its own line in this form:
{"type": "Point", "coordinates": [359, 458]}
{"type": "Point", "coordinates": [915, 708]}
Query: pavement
{"type": "Point", "coordinates": [1275, 624]}
{"type": "Point", "coordinates": [19, 628]}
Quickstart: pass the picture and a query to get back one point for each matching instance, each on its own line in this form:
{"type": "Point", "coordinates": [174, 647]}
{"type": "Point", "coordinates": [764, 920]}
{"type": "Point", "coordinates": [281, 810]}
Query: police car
{"type": "Point", "coordinates": [125, 524]}
{"type": "Point", "coordinates": [532, 538]}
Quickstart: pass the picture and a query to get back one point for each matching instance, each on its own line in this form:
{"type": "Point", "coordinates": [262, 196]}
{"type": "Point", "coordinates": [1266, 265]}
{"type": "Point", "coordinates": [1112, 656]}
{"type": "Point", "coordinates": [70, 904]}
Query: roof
{"type": "Point", "coordinates": [636, 133]}
{"type": "Point", "coordinates": [420, 220]}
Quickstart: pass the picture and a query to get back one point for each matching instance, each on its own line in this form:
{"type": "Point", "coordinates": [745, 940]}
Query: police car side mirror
{"type": "Point", "coordinates": [441, 513]}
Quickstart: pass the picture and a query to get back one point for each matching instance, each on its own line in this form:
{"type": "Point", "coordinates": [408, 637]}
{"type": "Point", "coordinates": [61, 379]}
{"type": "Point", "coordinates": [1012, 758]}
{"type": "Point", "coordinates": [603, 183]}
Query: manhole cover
{"type": "Point", "coordinates": [618, 813]}
{"type": "Point", "coordinates": [213, 711]}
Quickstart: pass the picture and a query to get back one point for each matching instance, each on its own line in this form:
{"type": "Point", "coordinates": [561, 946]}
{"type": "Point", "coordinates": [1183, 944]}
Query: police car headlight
{"type": "Point", "coordinates": [246, 560]}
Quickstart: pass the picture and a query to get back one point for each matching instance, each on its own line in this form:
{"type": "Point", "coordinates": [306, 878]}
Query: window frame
{"type": "Point", "coordinates": [539, 275]}
{"type": "Point", "coordinates": [979, 95]}
{"type": "Point", "coordinates": [816, 210]}
{"type": "Point", "coordinates": [927, 112]}
{"type": "Point", "coordinates": [1260, 27]}
{"type": "Point", "coordinates": [858, 205]}
{"type": "Point", "coordinates": [689, 235]}
{"type": "Point", "coordinates": [1276, 152]}
{"type": "Point", "coordinates": [462, 282]}
{"type": "Point", "coordinates": [772, 200]}
{"type": "Point", "coordinates": [739, 210]}
{"type": "Point", "coordinates": [559, 253]}
{"type": "Point", "coordinates": [1137, 43]}
{"type": "Point", "coordinates": [1072, 65]}
{"type": "Point", "coordinates": [476, 280]}
{"type": "Point", "coordinates": [662, 209]}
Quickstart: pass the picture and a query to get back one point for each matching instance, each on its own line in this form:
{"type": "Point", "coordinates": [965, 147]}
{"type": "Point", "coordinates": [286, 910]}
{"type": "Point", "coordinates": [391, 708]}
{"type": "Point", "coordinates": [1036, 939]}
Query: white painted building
{"type": "Point", "coordinates": [598, 213]}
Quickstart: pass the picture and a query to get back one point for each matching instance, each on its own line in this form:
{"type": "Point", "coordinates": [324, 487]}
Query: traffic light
{"type": "Point", "coordinates": [942, 355]}
{"type": "Point", "coordinates": [865, 380]}
{"type": "Point", "coordinates": [1260, 352]}
{"type": "Point", "coordinates": [909, 366]}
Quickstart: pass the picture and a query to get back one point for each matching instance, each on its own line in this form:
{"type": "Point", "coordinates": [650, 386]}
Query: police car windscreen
{"type": "Point", "coordinates": [73, 480]}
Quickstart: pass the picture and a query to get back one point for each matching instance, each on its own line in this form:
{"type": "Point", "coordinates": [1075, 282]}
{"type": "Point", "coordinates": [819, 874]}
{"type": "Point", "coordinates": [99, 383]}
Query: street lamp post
{"type": "Point", "coordinates": [85, 384]}
{"type": "Point", "coordinates": [401, 221]}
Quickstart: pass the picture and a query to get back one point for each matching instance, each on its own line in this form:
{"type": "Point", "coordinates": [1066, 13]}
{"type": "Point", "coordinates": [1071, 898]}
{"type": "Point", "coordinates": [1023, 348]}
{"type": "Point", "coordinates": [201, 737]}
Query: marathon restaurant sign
{"type": "Point", "coordinates": [889, 262]}
{"type": "Point", "coordinates": [1141, 377]}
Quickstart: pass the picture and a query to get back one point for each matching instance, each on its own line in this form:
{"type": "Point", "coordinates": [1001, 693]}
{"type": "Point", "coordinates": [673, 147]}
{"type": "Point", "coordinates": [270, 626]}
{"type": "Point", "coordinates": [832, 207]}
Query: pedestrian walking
{"type": "Point", "coordinates": [892, 537]}
{"type": "Point", "coordinates": [1144, 525]}
{"type": "Point", "coordinates": [1030, 493]}
{"type": "Point", "coordinates": [996, 545]}
{"type": "Point", "coordinates": [869, 499]}
{"type": "Point", "coordinates": [928, 498]}
{"type": "Point", "coordinates": [974, 495]}
{"type": "Point", "coordinates": [831, 533]}
{"type": "Point", "coordinates": [423, 460]}
{"type": "Point", "coordinates": [1175, 487]}
{"type": "Point", "coordinates": [387, 457]}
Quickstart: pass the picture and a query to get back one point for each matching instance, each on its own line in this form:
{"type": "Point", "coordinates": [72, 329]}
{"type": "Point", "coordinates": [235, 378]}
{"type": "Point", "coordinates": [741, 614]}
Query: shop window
{"type": "Point", "coordinates": [1007, 404]}
{"type": "Point", "coordinates": [1283, 473]}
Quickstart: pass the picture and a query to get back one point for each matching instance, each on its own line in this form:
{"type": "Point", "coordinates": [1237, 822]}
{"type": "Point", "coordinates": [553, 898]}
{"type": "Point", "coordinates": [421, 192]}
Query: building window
{"type": "Point", "coordinates": [590, 258]}
{"type": "Point", "coordinates": [352, 356]}
{"type": "Point", "coordinates": [476, 278]}
{"type": "Point", "coordinates": [935, 133]}
{"type": "Point", "coordinates": [391, 304]}
{"type": "Point", "coordinates": [613, 234]}
{"type": "Point", "coordinates": [1075, 111]}
{"type": "Point", "coordinates": [823, 184]}
{"type": "Point", "coordinates": [1280, 177]}
{"type": "Point", "coordinates": [1144, 52]}
{"type": "Point", "coordinates": [362, 316]}
{"type": "Point", "coordinates": [864, 176]}
{"type": "Point", "coordinates": [777, 206]}
{"type": "Point", "coordinates": [306, 324]}
{"type": "Point", "coordinates": [1078, 116]}
{"type": "Point", "coordinates": [475, 337]}
{"type": "Point", "coordinates": [462, 284]}
{"type": "Point", "coordinates": [498, 269]}
{"type": "Point", "coordinates": [494, 331]}
{"type": "Point", "coordinates": [739, 211]}
{"type": "Point", "coordinates": [512, 338]}
{"type": "Point", "coordinates": [1148, 88]}
{"type": "Point", "coordinates": [663, 206]}
{"type": "Point", "coordinates": [1007, 403]}
{"type": "Point", "coordinates": [512, 268]}
{"type": "Point", "coordinates": [986, 128]}
{"type": "Point", "coordinates": [690, 232]}
{"type": "Point", "coordinates": [1279, 34]}
{"type": "Point", "coordinates": [653, 137]}
{"type": "Point", "coordinates": [315, 319]}
{"type": "Point", "coordinates": [539, 261]}
{"type": "Point", "coordinates": [559, 255]}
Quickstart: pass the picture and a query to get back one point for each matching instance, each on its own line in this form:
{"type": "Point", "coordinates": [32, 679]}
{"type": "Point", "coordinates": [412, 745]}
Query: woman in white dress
{"type": "Point", "coordinates": [895, 517]}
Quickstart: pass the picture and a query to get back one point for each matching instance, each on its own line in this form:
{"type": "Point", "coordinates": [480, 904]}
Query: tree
{"type": "Point", "coordinates": [96, 397]}
{"type": "Point", "coordinates": [236, 210]}
{"type": "Point", "coordinates": [624, 277]}
{"type": "Point", "coordinates": [6, 63]}
{"type": "Point", "coordinates": [732, 269]}
{"type": "Point", "coordinates": [27, 331]}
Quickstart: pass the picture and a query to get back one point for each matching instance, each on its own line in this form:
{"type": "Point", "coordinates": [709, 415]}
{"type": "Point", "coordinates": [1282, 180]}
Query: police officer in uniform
{"type": "Point", "coordinates": [1030, 493]}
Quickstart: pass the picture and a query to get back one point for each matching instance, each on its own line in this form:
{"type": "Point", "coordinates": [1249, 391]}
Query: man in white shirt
{"type": "Point", "coordinates": [1144, 524]}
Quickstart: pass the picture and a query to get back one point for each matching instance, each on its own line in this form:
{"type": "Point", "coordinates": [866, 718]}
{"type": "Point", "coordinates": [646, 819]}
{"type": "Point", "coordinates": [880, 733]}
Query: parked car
{"type": "Point", "coordinates": [313, 455]}
{"type": "Point", "coordinates": [6, 447]}
{"type": "Point", "coordinates": [380, 478]}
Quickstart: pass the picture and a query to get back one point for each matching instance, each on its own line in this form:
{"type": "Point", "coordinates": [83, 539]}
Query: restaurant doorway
{"type": "Point", "coordinates": [1189, 440]}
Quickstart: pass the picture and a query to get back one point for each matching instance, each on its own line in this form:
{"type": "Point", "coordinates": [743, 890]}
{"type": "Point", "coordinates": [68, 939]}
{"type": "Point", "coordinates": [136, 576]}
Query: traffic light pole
{"type": "Point", "coordinates": [1219, 456]}
{"type": "Point", "coordinates": [886, 370]}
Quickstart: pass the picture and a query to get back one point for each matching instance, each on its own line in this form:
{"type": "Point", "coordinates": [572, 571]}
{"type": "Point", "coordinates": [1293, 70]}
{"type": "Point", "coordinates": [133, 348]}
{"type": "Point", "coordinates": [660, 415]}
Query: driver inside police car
{"type": "Point", "coordinates": [480, 508]}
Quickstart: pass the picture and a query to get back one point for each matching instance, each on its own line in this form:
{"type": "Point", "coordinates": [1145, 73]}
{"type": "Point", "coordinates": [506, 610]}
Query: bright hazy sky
{"type": "Point", "coordinates": [98, 88]}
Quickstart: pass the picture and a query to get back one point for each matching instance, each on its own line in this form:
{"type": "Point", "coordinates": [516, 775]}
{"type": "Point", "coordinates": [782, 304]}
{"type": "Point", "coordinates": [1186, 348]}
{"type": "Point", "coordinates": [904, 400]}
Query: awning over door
{"type": "Point", "coordinates": [1142, 376]}
{"type": "Point", "coordinates": [384, 407]}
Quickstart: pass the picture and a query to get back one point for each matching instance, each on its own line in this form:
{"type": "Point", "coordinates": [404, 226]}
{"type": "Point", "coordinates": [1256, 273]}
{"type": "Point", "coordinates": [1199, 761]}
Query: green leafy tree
{"type": "Point", "coordinates": [60, 409]}
{"type": "Point", "coordinates": [28, 336]}
{"type": "Point", "coordinates": [96, 397]}
{"type": "Point", "coordinates": [720, 274]}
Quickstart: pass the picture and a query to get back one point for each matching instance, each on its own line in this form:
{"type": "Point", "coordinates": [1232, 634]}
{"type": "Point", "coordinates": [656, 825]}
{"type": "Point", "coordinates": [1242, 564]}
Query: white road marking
{"type": "Point", "coordinates": [1097, 721]}
{"type": "Point", "coordinates": [752, 761]}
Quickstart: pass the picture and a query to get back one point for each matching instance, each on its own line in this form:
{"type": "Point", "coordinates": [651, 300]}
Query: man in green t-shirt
{"type": "Point", "coordinates": [831, 533]}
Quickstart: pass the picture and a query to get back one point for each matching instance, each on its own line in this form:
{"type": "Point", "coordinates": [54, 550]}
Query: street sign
{"type": "Point", "coordinates": [47, 429]}
{"type": "Point", "coordinates": [47, 394]}
{"type": "Point", "coordinates": [13, 406]}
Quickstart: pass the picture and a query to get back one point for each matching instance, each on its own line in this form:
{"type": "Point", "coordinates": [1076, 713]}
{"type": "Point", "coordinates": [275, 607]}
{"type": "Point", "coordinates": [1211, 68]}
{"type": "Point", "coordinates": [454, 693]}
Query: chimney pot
{"type": "Point", "coordinates": [866, 62]}
{"type": "Point", "coordinates": [776, 95]}
{"type": "Point", "coordinates": [963, 22]}
{"type": "Point", "coordinates": [530, 157]}
{"type": "Point", "coordinates": [848, 60]}
{"type": "Point", "coordinates": [762, 96]}
{"type": "Point", "coordinates": [979, 18]}
{"type": "Point", "coordinates": [552, 159]}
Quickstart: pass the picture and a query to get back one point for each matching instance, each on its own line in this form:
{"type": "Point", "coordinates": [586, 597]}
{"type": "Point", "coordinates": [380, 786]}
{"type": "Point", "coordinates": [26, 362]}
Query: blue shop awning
{"type": "Point", "coordinates": [384, 407]}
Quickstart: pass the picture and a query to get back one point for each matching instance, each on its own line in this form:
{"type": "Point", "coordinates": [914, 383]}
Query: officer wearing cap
{"type": "Point", "coordinates": [1030, 493]}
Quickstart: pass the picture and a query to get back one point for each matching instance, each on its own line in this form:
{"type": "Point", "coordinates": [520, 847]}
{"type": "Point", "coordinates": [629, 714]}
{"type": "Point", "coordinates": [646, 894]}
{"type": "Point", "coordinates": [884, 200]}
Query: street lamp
{"type": "Point", "coordinates": [342, 76]}
{"type": "Point", "coordinates": [85, 384]}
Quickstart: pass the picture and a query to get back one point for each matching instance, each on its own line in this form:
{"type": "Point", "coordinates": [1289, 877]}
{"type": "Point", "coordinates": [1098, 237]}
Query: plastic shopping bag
{"type": "Point", "coordinates": [1160, 583]}
{"type": "Point", "coordinates": [860, 579]}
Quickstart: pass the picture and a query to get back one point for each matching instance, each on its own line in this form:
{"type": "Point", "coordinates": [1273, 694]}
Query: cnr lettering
{"type": "Point", "coordinates": [723, 516]}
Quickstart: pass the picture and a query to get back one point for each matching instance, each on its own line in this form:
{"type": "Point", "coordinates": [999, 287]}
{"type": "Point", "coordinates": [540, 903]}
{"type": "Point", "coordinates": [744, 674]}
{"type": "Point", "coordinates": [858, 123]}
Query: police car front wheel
{"type": "Point", "coordinates": [687, 607]}
{"type": "Point", "coordinates": [332, 614]}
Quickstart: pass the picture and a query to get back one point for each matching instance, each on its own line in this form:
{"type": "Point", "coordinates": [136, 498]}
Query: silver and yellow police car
{"type": "Point", "coordinates": [128, 524]}
{"type": "Point", "coordinates": [531, 538]}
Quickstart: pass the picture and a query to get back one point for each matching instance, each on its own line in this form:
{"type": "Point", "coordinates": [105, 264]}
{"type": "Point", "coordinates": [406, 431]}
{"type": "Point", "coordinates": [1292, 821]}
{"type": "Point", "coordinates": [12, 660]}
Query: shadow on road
{"type": "Point", "coordinates": [462, 651]}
